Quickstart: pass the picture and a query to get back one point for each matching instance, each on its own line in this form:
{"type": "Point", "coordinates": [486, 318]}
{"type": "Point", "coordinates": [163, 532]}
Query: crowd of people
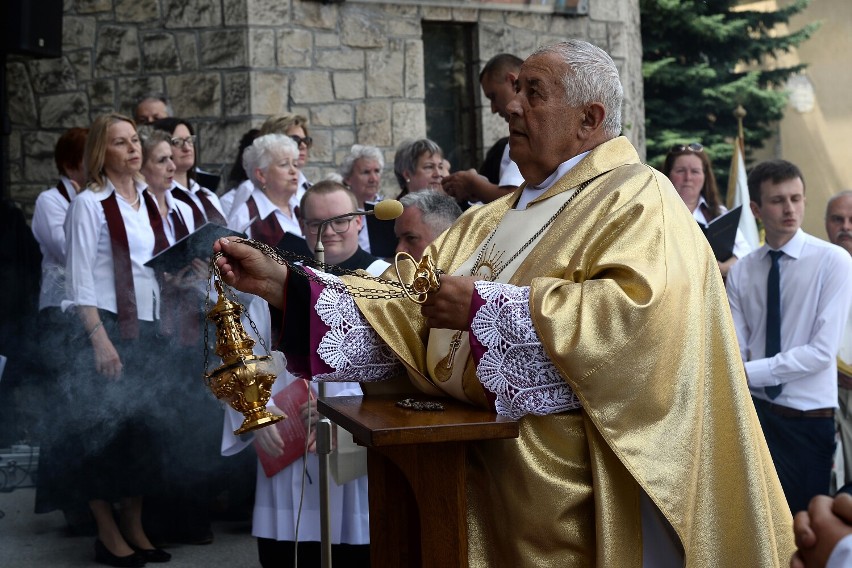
{"type": "Point", "coordinates": [125, 339]}
{"type": "Point", "coordinates": [578, 296]}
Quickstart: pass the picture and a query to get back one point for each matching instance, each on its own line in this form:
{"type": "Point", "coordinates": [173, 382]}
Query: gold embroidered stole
{"type": "Point", "coordinates": [447, 355]}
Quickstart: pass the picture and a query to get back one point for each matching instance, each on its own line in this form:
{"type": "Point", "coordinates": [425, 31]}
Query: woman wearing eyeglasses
{"type": "Point", "coordinates": [690, 171]}
{"type": "Point", "coordinates": [269, 213]}
{"type": "Point", "coordinates": [294, 126]}
{"type": "Point", "coordinates": [204, 202]}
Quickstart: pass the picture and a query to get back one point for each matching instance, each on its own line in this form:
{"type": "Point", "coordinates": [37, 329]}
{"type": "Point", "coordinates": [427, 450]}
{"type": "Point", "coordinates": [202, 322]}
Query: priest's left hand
{"type": "Point", "coordinates": [449, 307]}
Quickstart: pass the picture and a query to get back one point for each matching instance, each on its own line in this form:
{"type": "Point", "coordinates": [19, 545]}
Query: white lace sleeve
{"type": "Point", "coordinates": [515, 366]}
{"type": "Point", "coordinates": [351, 347]}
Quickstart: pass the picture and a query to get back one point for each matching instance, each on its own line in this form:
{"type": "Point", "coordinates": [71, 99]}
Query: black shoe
{"type": "Point", "coordinates": [104, 556]}
{"type": "Point", "coordinates": [152, 554]}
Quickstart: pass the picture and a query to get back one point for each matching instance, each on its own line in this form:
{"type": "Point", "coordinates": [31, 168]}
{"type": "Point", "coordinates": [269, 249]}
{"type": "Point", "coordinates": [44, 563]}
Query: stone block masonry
{"type": "Point", "coordinates": [356, 69]}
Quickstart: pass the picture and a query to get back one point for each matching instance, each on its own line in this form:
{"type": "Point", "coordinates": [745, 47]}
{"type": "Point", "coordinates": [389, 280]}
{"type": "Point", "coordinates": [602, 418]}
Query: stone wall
{"type": "Point", "coordinates": [354, 69]}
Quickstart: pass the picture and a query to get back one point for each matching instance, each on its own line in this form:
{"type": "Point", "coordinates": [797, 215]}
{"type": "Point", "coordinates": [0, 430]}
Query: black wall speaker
{"type": "Point", "coordinates": [32, 27]}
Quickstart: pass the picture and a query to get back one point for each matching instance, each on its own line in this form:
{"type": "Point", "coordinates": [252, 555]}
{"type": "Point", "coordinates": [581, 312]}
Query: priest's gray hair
{"type": "Point", "coordinates": [263, 150]}
{"type": "Point", "coordinates": [360, 152]}
{"type": "Point", "coordinates": [592, 78]}
{"type": "Point", "coordinates": [438, 209]}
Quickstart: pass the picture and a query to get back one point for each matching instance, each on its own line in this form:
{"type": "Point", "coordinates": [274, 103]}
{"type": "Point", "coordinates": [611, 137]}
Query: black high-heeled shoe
{"type": "Point", "coordinates": [152, 554]}
{"type": "Point", "coordinates": [104, 556]}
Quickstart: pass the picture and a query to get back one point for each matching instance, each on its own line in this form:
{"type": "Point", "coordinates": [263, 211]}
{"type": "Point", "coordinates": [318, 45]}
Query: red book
{"type": "Point", "coordinates": [292, 429]}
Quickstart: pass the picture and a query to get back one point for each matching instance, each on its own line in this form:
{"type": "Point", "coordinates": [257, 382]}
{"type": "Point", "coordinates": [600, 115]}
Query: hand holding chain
{"type": "Point", "coordinates": [427, 277]}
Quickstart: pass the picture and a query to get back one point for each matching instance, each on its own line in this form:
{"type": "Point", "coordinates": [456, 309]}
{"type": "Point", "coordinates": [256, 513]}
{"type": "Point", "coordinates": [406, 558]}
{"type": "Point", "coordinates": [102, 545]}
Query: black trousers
{"type": "Point", "coordinates": [281, 553]}
{"type": "Point", "coordinates": [802, 449]}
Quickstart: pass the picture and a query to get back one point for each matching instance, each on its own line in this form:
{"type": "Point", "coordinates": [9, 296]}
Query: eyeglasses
{"type": "Point", "coordinates": [183, 142]}
{"type": "Point", "coordinates": [307, 140]}
{"type": "Point", "coordinates": [338, 225]}
{"type": "Point", "coordinates": [694, 147]}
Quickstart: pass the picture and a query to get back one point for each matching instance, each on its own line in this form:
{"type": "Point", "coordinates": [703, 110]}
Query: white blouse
{"type": "Point", "coordinates": [89, 263]}
{"type": "Point", "coordinates": [180, 208]}
{"type": "Point", "coordinates": [48, 229]}
{"type": "Point", "coordinates": [240, 220]}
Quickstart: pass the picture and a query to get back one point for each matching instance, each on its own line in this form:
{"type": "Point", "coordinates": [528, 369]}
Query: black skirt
{"type": "Point", "coordinates": [106, 434]}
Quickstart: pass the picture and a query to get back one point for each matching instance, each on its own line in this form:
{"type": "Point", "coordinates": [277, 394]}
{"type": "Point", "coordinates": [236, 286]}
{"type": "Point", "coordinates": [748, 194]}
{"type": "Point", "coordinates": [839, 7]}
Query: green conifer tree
{"type": "Point", "coordinates": [702, 59]}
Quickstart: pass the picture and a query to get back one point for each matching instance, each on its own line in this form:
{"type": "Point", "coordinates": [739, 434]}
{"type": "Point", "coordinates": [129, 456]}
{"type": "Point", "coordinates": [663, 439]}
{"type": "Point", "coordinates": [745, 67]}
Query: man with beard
{"type": "Point", "coordinates": [838, 225]}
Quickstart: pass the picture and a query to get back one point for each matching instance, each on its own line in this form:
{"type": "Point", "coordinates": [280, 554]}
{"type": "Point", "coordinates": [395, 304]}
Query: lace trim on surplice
{"type": "Point", "coordinates": [515, 366]}
{"type": "Point", "coordinates": [351, 347]}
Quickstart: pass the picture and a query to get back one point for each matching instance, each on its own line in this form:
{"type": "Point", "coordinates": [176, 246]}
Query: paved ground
{"type": "Point", "coordinates": [28, 540]}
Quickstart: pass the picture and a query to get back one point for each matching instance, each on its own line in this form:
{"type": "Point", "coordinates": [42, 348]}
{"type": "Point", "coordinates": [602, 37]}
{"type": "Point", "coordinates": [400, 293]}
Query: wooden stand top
{"type": "Point", "coordinates": [376, 421]}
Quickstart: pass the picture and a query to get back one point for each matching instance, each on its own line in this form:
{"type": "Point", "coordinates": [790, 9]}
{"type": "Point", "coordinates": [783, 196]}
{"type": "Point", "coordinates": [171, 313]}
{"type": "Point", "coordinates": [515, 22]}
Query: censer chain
{"type": "Point", "coordinates": [297, 263]}
{"type": "Point", "coordinates": [213, 273]}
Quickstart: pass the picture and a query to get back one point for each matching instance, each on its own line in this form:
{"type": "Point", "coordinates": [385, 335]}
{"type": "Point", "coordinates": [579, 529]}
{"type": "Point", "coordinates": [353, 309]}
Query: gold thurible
{"type": "Point", "coordinates": [244, 380]}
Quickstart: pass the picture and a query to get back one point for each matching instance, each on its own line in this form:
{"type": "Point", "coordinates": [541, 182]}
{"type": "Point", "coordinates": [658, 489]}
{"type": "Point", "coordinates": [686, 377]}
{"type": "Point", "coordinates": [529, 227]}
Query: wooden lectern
{"type": "Point", "coordinates": [417, 474]}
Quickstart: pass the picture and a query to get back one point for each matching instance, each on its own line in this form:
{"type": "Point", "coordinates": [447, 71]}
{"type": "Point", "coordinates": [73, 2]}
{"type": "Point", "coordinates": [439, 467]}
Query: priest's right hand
{"type": "Point", "coordinates": [249, 270]}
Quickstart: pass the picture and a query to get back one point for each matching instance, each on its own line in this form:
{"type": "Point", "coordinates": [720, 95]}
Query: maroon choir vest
{"type": "Point", "coordinates": [125, 291]}
{"type": "Point", "coordinates": [210, 212]}
{"type": "Point", "coordinates": [267, 231]}
{"type": "Point", "coordinates": [179, 316]}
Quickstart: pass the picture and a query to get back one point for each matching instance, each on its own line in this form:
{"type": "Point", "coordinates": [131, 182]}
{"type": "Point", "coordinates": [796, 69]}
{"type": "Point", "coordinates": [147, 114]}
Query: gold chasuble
{"type": "Point", "coordinates": [628, 303]}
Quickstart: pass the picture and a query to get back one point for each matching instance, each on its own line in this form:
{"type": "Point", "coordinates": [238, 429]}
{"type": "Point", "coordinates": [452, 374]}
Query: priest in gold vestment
{"type": "Point", "coordinates": [588, 305]}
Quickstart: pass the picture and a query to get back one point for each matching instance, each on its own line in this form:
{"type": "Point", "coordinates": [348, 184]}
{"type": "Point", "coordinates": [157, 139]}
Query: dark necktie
{"type": "Point", "coordinates": [773, 316]}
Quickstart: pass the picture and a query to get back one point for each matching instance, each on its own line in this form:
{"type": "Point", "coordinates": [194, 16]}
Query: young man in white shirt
{"type": "Point", "coordinates": [279, 505]}
{"type": "Point", "coordinates": [789, 350]}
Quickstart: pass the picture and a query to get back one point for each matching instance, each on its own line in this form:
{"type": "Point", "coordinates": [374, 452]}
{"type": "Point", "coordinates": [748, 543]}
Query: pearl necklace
{"type": "Point", "coordinates": [132, 204]}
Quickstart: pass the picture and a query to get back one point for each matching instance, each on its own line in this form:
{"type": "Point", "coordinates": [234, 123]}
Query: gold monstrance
{"type": "Point", "coordinates": [244, 380]}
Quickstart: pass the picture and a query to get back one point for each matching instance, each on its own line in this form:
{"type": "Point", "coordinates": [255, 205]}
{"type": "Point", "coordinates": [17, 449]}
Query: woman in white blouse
{"type": "Point", "coordinates": [185, 188]}
{"type": "Point", "coordinates": [112, 231]}
{"type": "Point", "coordinates": [179, 511]}
{"type": "Point", "coordinates": [56, 326]}
{"type": "Point", "coordinates": [271, 163]}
